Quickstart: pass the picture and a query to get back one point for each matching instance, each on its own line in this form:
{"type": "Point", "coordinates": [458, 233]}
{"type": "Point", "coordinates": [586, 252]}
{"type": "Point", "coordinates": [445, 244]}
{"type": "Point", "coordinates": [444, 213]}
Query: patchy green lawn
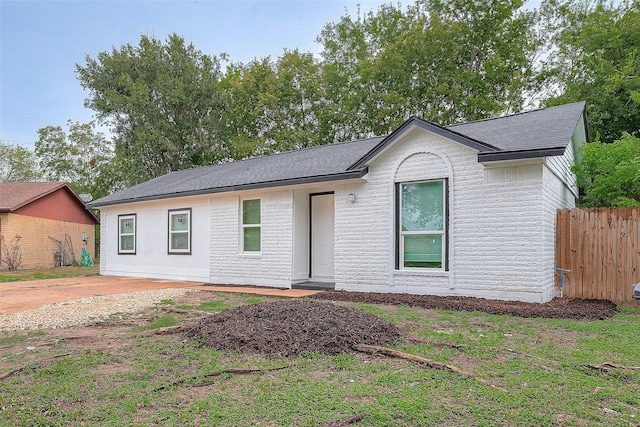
{"type": "Point", "coordinates": [546, 373]}
{"type": "Point", "coordinates": [48, 273]}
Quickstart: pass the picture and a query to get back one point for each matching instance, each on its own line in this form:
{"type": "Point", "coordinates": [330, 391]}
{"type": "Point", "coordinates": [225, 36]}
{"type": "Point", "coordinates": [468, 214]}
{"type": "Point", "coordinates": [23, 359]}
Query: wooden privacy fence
{"type": "Point", "coordinates": [601, 247]}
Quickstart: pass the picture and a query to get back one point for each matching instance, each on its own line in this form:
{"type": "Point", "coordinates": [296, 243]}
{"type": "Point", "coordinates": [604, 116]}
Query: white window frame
{"type": "Point", "coordinates": [179, 251]}
{"type": "Point", "coordinates": [442, 233]}
{"type": "Point", "coordinates": [131, 217]}
{"type": "Point", "coordinates": [243, 226]}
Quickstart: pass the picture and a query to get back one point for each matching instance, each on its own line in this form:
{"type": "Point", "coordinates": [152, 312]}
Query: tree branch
{"type": "Point", "coordinates": [373, 349]}
{"type": "Point", "coordinates": [608, 367]}
{"type": "Point", "coordinates": [22, 368]}
{"type": "Point", "coordinates": [220, 372]}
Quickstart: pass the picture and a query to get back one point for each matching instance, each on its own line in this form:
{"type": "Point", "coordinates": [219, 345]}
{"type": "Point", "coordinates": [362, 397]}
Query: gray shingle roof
{"type": "Point", "coordinates": [323, 163]}
{"type": "Point", "coordinates": [533, 130]}
{"type": "Point", "coordinates": [538, 131]}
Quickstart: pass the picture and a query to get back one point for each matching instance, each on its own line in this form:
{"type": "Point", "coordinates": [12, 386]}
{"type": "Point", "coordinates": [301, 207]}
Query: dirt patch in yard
{"type": "Point", "coordinates": [559, 308]}
{"type": "Point", "coordinates": [289, 328]}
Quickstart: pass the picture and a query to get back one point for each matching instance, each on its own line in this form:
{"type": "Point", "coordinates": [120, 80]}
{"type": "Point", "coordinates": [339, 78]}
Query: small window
{"type": "Point", "coordinates": [127, 234]}
{"type": "Point", "coordinates": [180, 231]}
{"type": "Point", "coordinates": [422, 231]}
{"type": "Point", "coordinates": [251, 225]}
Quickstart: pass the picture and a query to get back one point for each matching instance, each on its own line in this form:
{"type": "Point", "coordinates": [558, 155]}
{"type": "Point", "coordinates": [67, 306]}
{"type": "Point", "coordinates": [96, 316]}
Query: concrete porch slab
{"type": "Point", "coordinates": [285, 293]}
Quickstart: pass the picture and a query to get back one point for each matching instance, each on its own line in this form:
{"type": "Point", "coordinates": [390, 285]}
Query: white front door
{"type": "Point", "coordinates": [322, 237]}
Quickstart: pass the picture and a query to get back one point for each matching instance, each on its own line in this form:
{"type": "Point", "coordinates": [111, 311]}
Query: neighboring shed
{"type": "Point", "coordinates": [36, 211]}
{"type": "Point", "coordinates": [461, 210]}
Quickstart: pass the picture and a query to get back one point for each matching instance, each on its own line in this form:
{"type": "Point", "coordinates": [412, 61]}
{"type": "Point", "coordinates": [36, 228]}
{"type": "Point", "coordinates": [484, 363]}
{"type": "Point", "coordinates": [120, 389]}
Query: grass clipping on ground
{"type": "Point", "coordinates": [292, 327]}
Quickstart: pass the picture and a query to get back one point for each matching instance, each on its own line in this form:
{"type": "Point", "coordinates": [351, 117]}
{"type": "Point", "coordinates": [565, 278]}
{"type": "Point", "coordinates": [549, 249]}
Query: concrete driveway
{"type": "Point", "coordinates": [20, 296]}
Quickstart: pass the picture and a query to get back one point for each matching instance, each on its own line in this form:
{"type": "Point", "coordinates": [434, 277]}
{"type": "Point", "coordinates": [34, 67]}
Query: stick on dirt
{"type": "Point", "coordinates": [608, 367]}
{"type": "Point", "coordinates": [22, 368]}
{"type": "Point", "coordinates": [169, 330]}
{"type": "Point", "coordinates": [351, 420]}
{"type": "Point", "coordinates": [12, 372]}
{"type": "Point", "coordinates": [373, 349]}
{"type": "Point", "coordinates": [223, 371]}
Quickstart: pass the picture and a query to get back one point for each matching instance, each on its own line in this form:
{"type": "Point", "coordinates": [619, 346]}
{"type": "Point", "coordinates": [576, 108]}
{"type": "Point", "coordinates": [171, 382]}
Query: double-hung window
{"type": "Point", "coordinates": [180, 231]}
{"type": "Point", "coordinates": [251, 227]}
{"type": "Point", "coordinates": [127, 234]}
{"type": "Point", "coordinates": [422, 225]}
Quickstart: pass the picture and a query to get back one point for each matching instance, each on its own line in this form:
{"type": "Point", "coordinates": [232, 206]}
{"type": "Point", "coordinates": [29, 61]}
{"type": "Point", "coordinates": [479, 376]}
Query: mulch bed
{"type": "Point", "coordinates": [559, 308]}
{"type": "Point", "coordinates": [291, 327]}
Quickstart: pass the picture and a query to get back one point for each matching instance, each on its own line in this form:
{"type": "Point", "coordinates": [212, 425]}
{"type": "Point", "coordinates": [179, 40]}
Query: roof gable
{"type": "Point", "coordinates": [22, 196]}
{"type": "Point", "coordinates": [426, 125]}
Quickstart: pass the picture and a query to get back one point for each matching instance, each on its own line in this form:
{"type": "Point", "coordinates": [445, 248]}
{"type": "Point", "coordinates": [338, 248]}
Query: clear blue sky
{"type": "Point", "coordinates": [41, 41]}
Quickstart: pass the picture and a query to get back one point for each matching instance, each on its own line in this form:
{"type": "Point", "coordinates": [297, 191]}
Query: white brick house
{"type": "Point", "coordinates": [460, 210]}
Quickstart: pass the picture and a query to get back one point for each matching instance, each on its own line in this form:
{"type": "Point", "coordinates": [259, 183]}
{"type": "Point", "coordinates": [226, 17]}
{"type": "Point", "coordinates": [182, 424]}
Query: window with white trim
{"type": "Point", "coordinates": [251, 225]}
{"type": "Point", "coordinates": [180, 231]}
{"type": "Point", "coordinates": [422, 225]}
{"type": "Point", "coordinates": [127, 234]}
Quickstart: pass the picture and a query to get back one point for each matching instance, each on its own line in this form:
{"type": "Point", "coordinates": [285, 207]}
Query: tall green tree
{"type": "Point", "coordinates": [80, 156]}
{"type": "Point", "coordinates": [162, 102]}
{"type": "Point", "coordinates": [272, 106]}
{"type": "Point", "coordinates": [598, 61]}
{"type": "Point", "coordinates": [446, 61]}
{"type": "Point", "coordinates": [18, 164]}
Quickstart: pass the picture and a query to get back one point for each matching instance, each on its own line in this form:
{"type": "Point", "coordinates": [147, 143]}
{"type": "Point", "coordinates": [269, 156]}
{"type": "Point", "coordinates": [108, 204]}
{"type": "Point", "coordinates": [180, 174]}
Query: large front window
{"type": "Point", "coordinates": [127, 234]}
{"type": "Point", "coordinates": [422, 224]}
{"type": "Point", "coordinates": [180, 231]}
{"type": "Point", "coordinates": [251, 225]}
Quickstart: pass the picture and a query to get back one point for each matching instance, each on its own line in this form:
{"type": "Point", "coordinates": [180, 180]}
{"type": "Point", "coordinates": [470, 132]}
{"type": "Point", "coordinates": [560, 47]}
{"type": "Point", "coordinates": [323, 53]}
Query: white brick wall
{"type": "Point", "coordinates": [501, 224]}
{"type": "Point", "coordinates": [365, 235]}
{"type": "Point", "coordinates": [273, 265]}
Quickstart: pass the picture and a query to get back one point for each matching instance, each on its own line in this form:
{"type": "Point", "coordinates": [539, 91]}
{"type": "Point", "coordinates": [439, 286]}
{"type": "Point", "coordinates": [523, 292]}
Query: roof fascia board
{"type": "Point", "coordinates": [583, 117]}
{"type": "Point", "coordinates": [515, 162]}
{"type": "Point", "coordinates": [422, 124]}
{"type": "Point", "coordinates": [581, 126]}
{"type": "Point", "coordinates": [516, 155]}
{"type": "Point", "coordinates": [243, 187]}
